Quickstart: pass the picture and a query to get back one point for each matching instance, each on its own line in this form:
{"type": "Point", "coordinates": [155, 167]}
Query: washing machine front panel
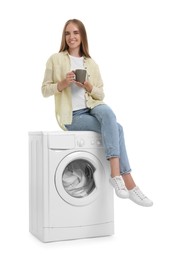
{"type": "Point", "coordinates": [79, 178]}
{"type": "Point", "coordinates": [55, 214]}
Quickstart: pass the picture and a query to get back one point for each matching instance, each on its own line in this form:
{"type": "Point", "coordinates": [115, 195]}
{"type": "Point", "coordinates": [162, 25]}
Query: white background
{"type": "Point", "coordinates": [131, 40]}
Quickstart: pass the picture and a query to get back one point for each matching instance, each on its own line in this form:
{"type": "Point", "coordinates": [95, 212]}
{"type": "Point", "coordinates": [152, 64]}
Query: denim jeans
{"type": "Point", "coordinates": [101, 119]}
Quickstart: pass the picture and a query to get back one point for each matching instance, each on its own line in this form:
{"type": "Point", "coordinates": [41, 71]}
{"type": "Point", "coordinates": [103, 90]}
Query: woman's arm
{"type": "Point", "coordinates": [49, 87]}
{"type": "Point", "coordinates": [95, 80]}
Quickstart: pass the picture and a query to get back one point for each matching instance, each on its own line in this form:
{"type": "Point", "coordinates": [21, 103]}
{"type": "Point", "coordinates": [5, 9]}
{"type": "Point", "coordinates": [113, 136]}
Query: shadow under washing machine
{"type": "Point", "coordinates": [69, 192]}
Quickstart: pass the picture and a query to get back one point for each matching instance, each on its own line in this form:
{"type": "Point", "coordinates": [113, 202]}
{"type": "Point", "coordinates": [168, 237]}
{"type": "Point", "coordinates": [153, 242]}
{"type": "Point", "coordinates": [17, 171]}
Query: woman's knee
{"type": "Point", "coordinates": [120, 128]}
{"type": "Point", "coordinates": [103, 110]}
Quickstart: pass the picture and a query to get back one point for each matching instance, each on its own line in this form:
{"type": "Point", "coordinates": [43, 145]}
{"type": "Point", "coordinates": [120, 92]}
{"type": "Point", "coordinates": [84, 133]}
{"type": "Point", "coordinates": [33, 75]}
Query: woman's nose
{"type": "Point", "coordinates": [72, 35]}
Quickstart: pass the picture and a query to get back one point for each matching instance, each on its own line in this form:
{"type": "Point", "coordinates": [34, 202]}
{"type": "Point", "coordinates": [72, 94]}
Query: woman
{"type": "Point", "coordinates": [80, 107]}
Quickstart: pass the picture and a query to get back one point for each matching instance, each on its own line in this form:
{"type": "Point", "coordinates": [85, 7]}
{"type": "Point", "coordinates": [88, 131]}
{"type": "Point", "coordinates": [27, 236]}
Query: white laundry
{"type": "Point", "coordinates": [78, 179]}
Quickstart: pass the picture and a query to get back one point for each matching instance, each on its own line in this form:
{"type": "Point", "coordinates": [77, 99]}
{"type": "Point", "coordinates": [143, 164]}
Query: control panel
{"type": "Point", "coordinates": [88, 141]}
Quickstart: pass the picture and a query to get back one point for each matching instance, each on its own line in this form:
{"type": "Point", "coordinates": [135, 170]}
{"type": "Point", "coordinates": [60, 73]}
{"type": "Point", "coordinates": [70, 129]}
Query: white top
{"type": "Point", "coordinates": [78, 93]}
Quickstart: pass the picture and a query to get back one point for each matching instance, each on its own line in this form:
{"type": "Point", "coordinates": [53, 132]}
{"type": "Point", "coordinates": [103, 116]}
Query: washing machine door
{"type": "Point", "coordinates": [79, 178]}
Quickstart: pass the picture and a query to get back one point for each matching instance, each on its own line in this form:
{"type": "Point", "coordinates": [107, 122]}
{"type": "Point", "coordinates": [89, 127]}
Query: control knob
{"type": "Point", "coordinates": [80, 142]}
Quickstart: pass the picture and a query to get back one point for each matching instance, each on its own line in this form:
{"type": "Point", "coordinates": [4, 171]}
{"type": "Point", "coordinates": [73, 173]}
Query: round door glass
{"type": "Point", "coordinates": [78, 178]}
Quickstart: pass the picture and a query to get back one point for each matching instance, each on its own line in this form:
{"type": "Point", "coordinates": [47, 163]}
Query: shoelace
{"type": "Point", "coordinates": [120, 184]}
{"type": "Point", "coordinates": [140, 194]}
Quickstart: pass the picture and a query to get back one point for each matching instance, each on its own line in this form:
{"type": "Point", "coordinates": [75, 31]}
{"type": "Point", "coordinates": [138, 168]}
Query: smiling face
{"type": "Point", "coordinates": [73, 38]}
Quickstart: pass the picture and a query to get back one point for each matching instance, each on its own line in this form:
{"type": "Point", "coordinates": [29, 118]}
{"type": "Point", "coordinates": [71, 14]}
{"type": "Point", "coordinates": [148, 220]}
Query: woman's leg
{"type": "Point", "coordinates": [113, 140]}
{"type": "Point", "coordinates": [115, 166]}
{"type": "Point", "coordinates": [101, 119]}
{"type": "Point", "coordinates": [84, 121]}
{"type": "Point", "coordinates": [117, 155]}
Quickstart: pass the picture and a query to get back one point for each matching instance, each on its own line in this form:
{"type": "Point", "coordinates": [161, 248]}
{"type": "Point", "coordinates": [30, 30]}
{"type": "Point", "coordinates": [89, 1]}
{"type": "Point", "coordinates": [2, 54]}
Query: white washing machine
{"type": "Point", "coordinates": [70, 196]}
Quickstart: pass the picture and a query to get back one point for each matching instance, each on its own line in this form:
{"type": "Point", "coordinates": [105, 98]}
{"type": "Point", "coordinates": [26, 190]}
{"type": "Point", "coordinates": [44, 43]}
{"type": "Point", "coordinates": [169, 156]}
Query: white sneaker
{"type": "Point", "coordinates": [119, 185]}
{"type": "Point", "coordinates": [139, 198]}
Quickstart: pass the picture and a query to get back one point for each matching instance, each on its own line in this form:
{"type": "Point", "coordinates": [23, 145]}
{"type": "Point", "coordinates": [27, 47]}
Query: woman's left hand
{"type": "Point", "coordinates": [88, 87]}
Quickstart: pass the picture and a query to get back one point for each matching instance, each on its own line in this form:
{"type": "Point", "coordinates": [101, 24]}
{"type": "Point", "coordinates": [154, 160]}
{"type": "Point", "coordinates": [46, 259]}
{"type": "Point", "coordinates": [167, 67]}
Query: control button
{"type": "Point", "coordinates": [80, 142]}
{"type": "Point", "coordinates": [99, 142]}
{"type": "Point", "coordinates": [92, 142]}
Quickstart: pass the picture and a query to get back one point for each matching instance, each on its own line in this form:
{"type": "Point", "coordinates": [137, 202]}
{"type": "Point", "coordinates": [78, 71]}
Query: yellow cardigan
{"type": "Point", "coordinates": [57, 66]}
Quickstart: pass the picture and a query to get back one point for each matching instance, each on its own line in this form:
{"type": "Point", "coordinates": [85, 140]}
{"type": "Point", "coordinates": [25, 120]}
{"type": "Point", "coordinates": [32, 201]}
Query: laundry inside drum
{"type": "Point", "coordinates": [78, 178]}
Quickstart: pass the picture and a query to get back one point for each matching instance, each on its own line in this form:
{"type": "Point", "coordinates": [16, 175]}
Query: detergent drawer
{"type": "Point", "coordinates": [63, 141]}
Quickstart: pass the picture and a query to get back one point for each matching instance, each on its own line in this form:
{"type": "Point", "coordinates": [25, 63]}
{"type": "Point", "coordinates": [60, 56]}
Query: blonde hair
{"type": "Point", "coordinates": [84, 42]}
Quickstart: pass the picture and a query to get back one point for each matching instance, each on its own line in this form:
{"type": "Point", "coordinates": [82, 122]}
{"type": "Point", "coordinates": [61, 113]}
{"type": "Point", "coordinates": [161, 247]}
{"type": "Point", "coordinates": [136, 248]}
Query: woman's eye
{"type": "Point", "coordinates": [68, 33]}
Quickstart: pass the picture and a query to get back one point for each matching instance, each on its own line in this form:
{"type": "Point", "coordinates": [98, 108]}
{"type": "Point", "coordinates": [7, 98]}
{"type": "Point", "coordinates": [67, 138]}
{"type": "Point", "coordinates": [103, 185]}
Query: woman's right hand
{"type": "Point", "coordinates": [70, 77]}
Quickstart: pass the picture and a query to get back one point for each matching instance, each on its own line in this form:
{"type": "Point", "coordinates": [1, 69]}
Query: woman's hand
{"type": "Point", "coordinates": [88, 87]}
{"type": "Point", "coordinates": [70, 77]}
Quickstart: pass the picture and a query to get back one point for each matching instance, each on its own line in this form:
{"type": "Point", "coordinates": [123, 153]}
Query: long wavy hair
{"type": "Point", "coordinates": [84, 42]}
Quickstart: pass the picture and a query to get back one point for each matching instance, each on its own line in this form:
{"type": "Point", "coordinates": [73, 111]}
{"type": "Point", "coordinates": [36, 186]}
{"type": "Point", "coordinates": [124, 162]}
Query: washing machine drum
{"type": "Point", "coordinates": [79, 178]}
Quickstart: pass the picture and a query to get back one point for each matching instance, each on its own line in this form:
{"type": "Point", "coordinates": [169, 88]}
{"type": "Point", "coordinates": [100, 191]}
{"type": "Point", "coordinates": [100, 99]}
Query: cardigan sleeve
{"type": "Point", "coordinates": [49, 87]}
{"type": "Point", "coordinates": [97, 92]}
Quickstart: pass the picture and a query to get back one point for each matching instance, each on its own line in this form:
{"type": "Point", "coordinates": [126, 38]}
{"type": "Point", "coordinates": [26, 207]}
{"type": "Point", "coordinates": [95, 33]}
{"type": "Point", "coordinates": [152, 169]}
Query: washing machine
{"type": "Point", "coordinates": [70, 196]}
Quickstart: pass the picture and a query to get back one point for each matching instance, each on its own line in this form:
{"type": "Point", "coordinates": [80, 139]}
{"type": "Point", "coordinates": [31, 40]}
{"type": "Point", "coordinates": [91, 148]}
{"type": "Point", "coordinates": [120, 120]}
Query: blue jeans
{"type": "Point", "coordinates": [101, 119]}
